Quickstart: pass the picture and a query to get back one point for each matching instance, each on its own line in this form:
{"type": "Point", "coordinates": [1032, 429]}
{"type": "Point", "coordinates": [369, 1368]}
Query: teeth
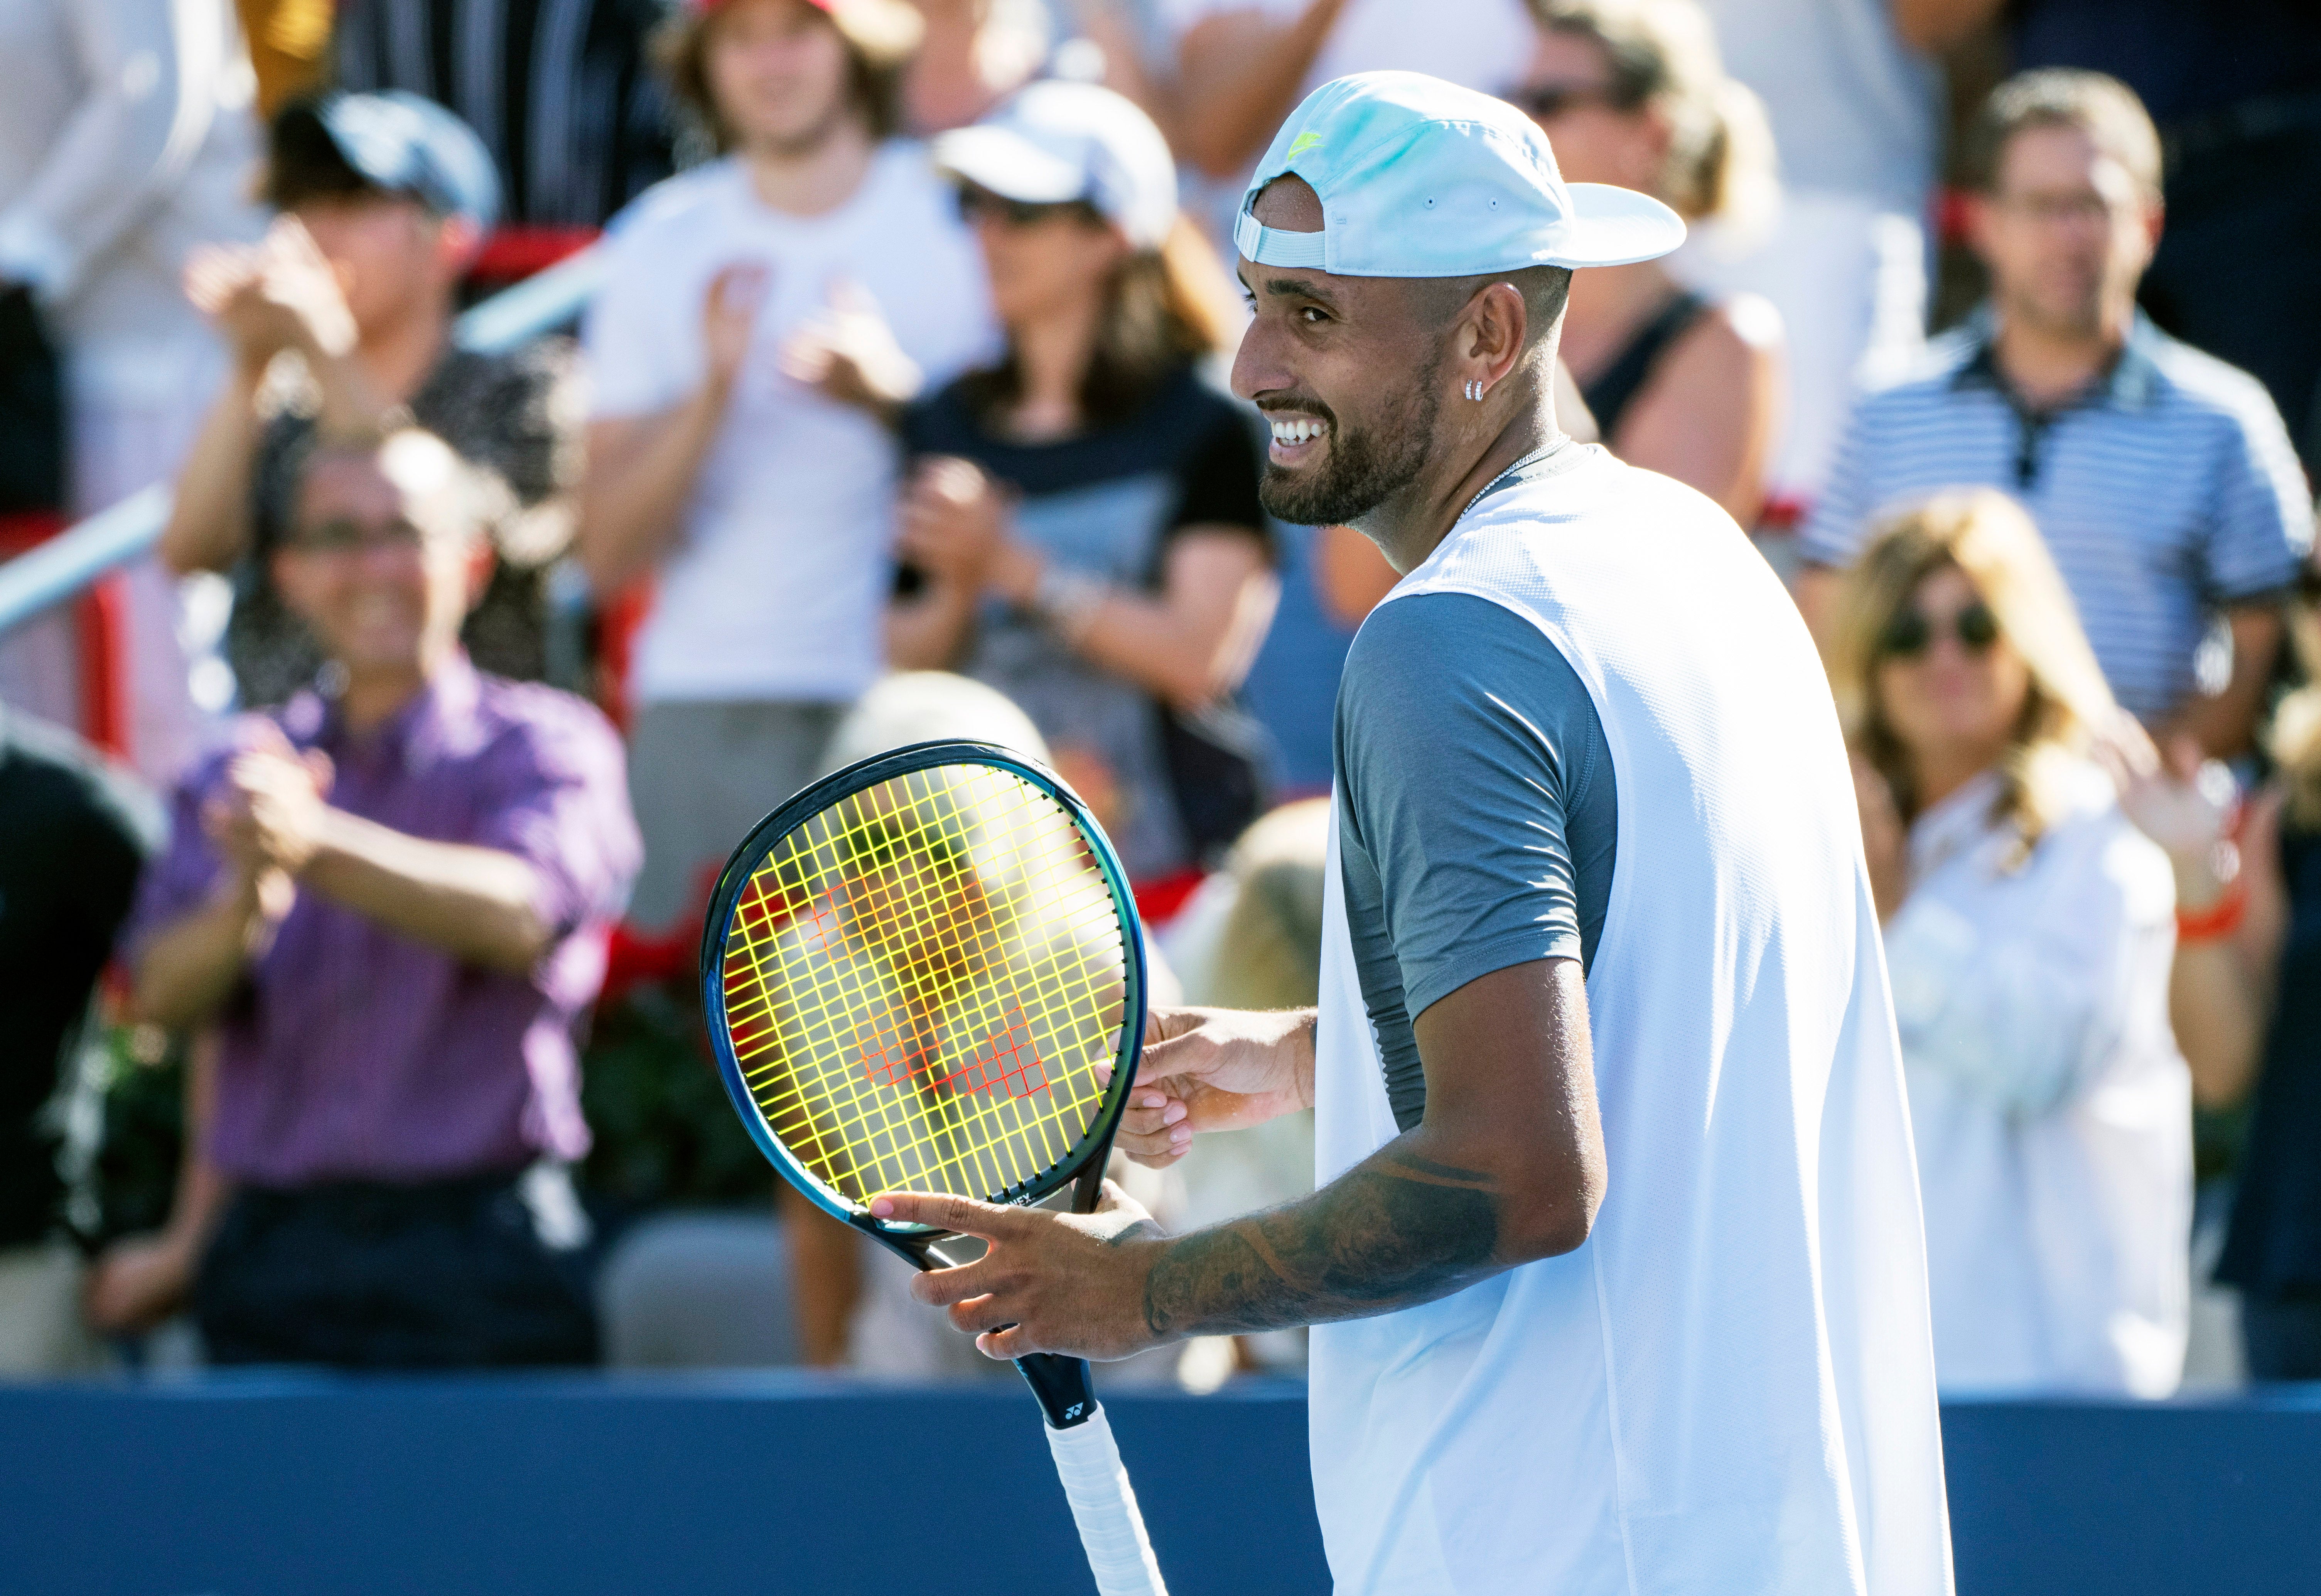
{"type": "Point", "coordinates": [1296, 431]}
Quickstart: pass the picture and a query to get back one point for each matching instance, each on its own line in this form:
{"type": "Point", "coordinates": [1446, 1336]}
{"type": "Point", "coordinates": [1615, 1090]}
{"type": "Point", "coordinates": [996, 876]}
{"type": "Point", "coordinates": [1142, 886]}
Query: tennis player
{"type": "Point", "coordinates": [1615, 1259]}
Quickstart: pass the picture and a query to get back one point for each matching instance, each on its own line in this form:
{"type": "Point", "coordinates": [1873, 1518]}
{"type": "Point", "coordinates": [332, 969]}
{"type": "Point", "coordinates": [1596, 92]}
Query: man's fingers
{"type": "Point", "coordinates": [1004, 1345]}
{"type": "Point", "coordinates": [963, 1215]}
{"type": "Point", "coordinates": [942, 1288]}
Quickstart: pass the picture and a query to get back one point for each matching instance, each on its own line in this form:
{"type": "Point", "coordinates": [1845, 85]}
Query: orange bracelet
{"type": "Point", "coordinates": [2220, 918]}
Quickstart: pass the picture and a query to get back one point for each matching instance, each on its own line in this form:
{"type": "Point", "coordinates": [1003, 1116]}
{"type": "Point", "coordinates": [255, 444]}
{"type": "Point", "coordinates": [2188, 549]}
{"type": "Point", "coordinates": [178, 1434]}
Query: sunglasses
{"type": "Point", "coordinates": [978, 204]}
{"type": "Point", "coordinates": [1547, 101]}
{"type": "Point", "coordinates": [1910, 634]}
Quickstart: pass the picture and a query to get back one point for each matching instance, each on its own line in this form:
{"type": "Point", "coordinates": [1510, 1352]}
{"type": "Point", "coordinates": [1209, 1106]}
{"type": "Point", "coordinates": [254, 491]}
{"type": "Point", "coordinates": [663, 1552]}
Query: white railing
{"type": "Point", "coordinates": [75, 557]}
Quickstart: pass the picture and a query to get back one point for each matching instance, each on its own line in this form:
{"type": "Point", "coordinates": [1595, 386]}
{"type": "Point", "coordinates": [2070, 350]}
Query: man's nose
{"type": "Point", "coordinates": [1257, 367]}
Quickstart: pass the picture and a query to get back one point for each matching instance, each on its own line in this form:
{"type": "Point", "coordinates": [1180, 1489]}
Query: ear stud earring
{"type": "Point", "coordinates": [1475, 390]}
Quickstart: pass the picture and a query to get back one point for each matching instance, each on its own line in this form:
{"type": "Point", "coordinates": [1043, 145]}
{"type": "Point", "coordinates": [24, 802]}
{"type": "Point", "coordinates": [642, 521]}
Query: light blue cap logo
{"type": "Point", "coordinates": [1420, 178]}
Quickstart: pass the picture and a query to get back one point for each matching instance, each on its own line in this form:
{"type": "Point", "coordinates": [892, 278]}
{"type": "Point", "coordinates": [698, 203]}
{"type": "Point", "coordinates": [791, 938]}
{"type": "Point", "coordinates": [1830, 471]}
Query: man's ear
{"type": "Point", "coordinates": [1496, 322]}
{"type": "Point", "coordinates": [1975, 212]}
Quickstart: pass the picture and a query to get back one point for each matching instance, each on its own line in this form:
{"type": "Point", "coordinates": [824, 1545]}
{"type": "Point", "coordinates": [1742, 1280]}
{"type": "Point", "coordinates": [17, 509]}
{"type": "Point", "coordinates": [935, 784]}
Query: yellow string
{"type": "Point", "coordinates": [920, 983]}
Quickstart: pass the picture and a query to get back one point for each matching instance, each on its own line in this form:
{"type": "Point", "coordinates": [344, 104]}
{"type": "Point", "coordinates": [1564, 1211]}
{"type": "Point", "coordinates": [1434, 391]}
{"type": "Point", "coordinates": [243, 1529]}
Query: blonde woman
{"type": "Point", "coordinates": [1633, 92]}
{"type": "Point", "coordinates": [2029, 930]}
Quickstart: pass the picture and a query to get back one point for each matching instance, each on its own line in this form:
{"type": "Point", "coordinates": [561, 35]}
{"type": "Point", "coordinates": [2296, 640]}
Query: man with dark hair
{"type": "Point", "coordinates": [723, 459]}
{"type": "Point", "coordinates": [391, 899]}
{"type": "Point", "coordinates": [1615, 1263]}
{"type": "Point", "coordinates": [2161, 479]}
{"type": "Point", "coordinates": [340, 324]}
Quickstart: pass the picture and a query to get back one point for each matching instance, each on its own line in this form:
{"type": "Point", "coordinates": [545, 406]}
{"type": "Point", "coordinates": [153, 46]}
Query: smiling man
{"type": "Point", "coordinates": [1616, 1257]}
{"type": "Point", "coordinates": [391, 897]}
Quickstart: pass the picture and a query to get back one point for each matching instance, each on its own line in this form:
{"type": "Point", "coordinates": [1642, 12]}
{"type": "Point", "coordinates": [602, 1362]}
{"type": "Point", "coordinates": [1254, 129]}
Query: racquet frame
{"type": "Point", "coordinates": [1060, 1383]}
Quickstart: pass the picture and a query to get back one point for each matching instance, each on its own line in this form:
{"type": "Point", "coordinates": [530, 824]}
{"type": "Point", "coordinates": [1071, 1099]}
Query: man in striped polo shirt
{"type": "Point", "coordinates": [2163, 478]}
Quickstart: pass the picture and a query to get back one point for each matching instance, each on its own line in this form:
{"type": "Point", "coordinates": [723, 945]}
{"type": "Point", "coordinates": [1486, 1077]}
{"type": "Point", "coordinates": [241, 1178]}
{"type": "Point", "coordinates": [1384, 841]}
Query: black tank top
{"type": "Point", "coordinates": [2273, 1249]}
{"type": "Point", "coordinates": [1616, 386]}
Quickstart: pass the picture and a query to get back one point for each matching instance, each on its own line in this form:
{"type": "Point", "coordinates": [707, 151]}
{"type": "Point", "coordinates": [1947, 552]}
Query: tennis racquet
{"type": "Point", "coordinates": [914, 972]}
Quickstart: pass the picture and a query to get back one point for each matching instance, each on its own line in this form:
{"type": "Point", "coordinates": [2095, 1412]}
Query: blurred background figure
{"type": "Point", "coordinates": [974, 54]}
{"type": "Point", "coordinates": [562, 93]}
{"type": "Point", "coordinates": [341, 323]}
{"type": "Point", "coordinates": [125, 141]}
{"type": "Point", "coordinates": [289, 48]}
{"type": "Point", "coordinates": [2247, 1000]}
{"type": "Point", "coordinates": [1630, 91]}
{"type": "Point", "coordinates": [2236, 86]}
{"type": "Point", "coordinates": [2161, 478]}
{"type": "Point", "coordinates": [978, 52]}
{"type": "Point", "coordinates": [1243, 65]}
{"type": "Point", "coordinates": [392, 900]}
{"type": "Point", "coordinates": [1251, 938]}
{"type": "Point", "coordinates": [1855, 102]}
{"type": "Point", "coordinates": [762, 506]}
{"type": "Point", "coordinates": [1081, 529]}
{"type": "Point", "coordinates": [77, 835]}
{"type": "Point", "coordinates": [2028, 935]}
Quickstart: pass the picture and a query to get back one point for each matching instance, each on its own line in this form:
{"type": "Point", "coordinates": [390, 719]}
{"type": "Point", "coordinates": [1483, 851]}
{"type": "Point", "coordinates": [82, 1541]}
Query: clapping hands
{"type": "Point", "coordinates": [846, 350]}
{"type": "Point", "coordinates": [278, 295]}
{"type": "Point", "coordinates": [268, 816]}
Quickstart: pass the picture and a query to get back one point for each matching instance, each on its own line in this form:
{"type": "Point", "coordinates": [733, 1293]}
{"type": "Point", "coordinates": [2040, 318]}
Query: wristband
{"type": "Point", "coordinates": [2219, 919]}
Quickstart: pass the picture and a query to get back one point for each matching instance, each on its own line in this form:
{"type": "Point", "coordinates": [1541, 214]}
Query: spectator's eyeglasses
{"type": "Point", "coordinates": [977, 204]}
{"type": "Point", "coordinates": [1911, 634]}
{"type": "Point", "coordinates": [343, 536]}
{"type": "Point", "coordinates": [1547, 101]}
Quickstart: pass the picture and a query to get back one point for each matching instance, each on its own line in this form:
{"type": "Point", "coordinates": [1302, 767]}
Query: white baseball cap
{"type": "Point", "coordinates": [1055, 142]}
{"type": "Point", "coordinates": [1421, 178]}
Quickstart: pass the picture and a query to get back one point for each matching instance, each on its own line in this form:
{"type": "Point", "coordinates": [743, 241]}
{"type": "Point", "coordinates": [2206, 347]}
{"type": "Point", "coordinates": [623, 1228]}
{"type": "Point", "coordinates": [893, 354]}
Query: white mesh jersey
{"type": "Point", "coordinates": [1729, 1388]}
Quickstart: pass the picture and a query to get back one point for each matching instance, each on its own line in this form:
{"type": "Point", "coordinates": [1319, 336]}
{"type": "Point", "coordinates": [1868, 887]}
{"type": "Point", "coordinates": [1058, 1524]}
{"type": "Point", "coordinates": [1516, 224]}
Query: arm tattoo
{"type": "Point", "coordinates": [1395, 1230]}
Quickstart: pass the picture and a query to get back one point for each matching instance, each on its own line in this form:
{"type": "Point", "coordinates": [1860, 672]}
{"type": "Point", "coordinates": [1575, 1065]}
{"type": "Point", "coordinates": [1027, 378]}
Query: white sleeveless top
{"type": "Point", "coordinates": [1730, 1387]}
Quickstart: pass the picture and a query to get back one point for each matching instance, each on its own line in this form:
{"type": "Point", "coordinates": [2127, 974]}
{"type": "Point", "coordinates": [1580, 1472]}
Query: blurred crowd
{"type": "Point", "coordinates": [354, 844]}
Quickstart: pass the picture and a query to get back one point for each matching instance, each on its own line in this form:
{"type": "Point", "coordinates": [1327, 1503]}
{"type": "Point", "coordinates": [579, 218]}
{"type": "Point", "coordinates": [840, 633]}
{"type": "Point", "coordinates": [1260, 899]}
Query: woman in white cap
{"type": "Point", "coordinates": [1082, 529]}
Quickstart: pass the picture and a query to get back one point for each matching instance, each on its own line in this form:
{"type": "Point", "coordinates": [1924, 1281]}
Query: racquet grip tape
{"type": "Point", "coordinates": [1104, 1506]}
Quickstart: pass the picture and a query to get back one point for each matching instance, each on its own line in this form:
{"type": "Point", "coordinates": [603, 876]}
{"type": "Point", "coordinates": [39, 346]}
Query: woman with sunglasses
{"type": "Point", "coordinates": [2029, 931]}
{"type": "Point", "coordinates": [1633, 92]}
{"type": "Point", "coordinates": [1081, 527]}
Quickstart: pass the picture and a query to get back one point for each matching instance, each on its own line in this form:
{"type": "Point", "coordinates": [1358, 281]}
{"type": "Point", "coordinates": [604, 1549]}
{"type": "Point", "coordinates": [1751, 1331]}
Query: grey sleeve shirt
{"type": "Point", "coordinates": [1477, 811]}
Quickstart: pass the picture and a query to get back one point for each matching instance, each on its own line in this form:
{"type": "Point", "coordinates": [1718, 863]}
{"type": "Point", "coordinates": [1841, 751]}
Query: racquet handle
{"type": "Point", "coordinates": [1104, 1506]}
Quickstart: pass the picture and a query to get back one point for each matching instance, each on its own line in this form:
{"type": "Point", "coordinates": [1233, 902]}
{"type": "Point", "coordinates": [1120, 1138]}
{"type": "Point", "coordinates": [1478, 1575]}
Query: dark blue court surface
{"type": "Point", "coordinates": [290, 1486]}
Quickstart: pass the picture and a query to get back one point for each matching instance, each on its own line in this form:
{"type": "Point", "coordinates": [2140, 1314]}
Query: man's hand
{"type": "Point", "coordinates": [1070, 1284]}
{"type": "Point", "coordinates": [729, 319]}
{"type": "Point", "coordinates": [272, 814]}
{"type": "Point", "coordinates": [137, 1282]}
{"type": "Point", "coordinates": [848, 352]}
{"type": "Point", "coordinates": [1215, 1069]}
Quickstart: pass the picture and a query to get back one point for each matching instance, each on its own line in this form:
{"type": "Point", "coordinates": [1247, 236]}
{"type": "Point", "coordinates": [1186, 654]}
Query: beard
{"type": "Point", "coordinates": [1364, 466]}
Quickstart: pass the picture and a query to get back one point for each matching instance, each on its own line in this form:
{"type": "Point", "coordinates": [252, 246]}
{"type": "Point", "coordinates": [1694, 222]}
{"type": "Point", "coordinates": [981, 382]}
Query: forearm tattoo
{"type": "Point", "coordinates": [1395, 1230]}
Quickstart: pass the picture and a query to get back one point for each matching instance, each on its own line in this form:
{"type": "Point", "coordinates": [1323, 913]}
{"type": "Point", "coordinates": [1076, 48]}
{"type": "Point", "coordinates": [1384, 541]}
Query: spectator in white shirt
{"type": "Point", "coordinates": [723, 460]}
{"type": "Point", "coordinates": [2029, 930]}
{"type": "Point", "coordinates": [126, 137]}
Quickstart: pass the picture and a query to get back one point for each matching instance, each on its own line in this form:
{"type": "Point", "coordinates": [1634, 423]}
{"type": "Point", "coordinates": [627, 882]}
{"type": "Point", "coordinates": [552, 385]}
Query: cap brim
{"type": "Point", "coordinates": [1010, 165]}
{"type": "Point", "coordinates": [1612, 226]}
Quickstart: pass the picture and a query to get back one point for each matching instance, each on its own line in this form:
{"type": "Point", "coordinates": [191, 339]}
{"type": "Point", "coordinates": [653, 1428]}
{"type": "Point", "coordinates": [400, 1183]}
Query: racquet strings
{"type": "Point", "coordinates": [920, 983]}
